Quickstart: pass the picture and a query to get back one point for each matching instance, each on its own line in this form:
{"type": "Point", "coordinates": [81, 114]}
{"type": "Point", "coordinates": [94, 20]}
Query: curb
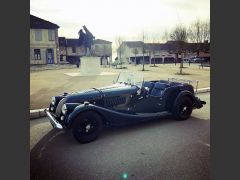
{"type": "Point", "coordinates": [37, 113]}
{"type": "Point", "coordinates": [202, 90]}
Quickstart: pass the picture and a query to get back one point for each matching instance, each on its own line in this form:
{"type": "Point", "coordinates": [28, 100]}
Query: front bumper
{"type": "Point", "coordinates": [53, 121]}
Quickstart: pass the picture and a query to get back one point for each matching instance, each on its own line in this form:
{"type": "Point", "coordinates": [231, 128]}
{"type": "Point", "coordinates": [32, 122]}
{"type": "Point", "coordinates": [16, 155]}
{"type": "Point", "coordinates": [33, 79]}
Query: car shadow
{"type": "Point", "coordinates": [59, 138]}
{"type": "Point", "coordinates": [154, 123]}
{"type": "Point", "coordinates": [60, 145]}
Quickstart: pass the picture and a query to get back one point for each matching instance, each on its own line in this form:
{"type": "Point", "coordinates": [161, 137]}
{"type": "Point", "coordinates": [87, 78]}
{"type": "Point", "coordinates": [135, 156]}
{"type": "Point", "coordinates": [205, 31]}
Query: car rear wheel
{"type": "Point", "coordinates": [87, 127]}
{"type": "Point", "coordinates": [183, 108]}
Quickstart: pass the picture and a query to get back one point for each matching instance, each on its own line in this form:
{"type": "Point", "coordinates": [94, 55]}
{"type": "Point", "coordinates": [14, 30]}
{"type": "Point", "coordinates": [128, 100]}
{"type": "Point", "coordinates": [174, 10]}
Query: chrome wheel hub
{"type": "Point", "coordinates": [88, 127]}
{"type": "Point", "coordinates": [184, 108]}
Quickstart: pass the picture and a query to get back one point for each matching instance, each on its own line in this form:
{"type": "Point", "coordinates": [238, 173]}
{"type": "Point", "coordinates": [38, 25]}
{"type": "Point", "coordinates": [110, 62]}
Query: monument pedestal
{"type": "Point", "coordinates": [90, 66]}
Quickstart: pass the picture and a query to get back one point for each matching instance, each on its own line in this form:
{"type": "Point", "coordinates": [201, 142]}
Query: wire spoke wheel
{"type": "Point", "coordinates": [87, 127]}
{"type": "Point", "coordinates": [183, 108]}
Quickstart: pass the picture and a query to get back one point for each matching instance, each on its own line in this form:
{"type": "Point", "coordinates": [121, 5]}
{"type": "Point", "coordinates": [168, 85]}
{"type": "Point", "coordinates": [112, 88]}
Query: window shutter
{"type": "Point", "coordinates": [32, 54]}
{"type": "Point", "coordinates": [38, 34]}
{"type": "Point", "coordinates": [53, 35]}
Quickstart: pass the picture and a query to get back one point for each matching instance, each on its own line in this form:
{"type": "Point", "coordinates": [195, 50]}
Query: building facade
{"type": "Point", "coordinates": [44, 46]}
{"type": "Point", "coordinates": [131, 52]}
{"type": "Point", "coordinates": [134, 52]}
{"type": "Point", "coordinates": [103, 49]}
{"type": "Point", "coordinates": [71, 52]}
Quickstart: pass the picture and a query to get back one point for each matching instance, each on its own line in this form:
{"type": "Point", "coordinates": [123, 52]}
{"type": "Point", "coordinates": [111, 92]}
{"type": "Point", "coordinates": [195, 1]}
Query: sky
{"type": "Point", "coordinates": [107, 19]}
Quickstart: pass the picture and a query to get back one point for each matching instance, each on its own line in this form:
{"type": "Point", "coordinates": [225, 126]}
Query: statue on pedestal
{"type": "Point", "coordinates": [86, 39]}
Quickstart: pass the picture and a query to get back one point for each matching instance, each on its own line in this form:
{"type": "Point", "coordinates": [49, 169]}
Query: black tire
{"type": "Point", "coordinates": [183, 108]}
{"type": "Point", "coordinates": [87, 127]}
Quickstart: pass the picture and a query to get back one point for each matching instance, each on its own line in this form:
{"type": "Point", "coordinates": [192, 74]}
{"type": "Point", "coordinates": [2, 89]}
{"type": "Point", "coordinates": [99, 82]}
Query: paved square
{"type": "Point", "coordinates": [101, 74]}
{"type": "Point", "coordinates": [47, 83]}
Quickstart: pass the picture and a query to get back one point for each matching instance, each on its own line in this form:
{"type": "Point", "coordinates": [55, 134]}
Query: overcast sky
{"type": "Point", "coordinates": [107, 19]}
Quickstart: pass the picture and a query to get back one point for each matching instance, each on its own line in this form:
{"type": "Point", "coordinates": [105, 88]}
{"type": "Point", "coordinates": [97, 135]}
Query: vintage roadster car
{"type": "Point", "coordinates": [129, 99]}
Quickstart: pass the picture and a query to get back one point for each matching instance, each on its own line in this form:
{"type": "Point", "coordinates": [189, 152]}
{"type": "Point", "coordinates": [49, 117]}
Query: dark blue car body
{"type": "Point", "coordinates": [123, 103]}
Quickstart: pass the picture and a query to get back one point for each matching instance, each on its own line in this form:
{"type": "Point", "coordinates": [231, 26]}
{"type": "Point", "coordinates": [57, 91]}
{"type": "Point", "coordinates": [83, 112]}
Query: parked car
{"type": "Point", "coordinates": [198, 60]}
{"type": "Point", "coordinates": [186, 59]}
{"type": "Point", "coordinates": [130, 99]}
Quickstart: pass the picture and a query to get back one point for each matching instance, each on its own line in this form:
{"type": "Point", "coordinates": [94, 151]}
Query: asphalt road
{"type": "Point", "coordinates": [159, 149]}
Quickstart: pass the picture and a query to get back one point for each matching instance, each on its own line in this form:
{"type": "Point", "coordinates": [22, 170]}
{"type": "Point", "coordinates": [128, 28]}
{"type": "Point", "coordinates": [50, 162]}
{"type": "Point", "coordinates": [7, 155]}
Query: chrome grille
{"type": "Point", "coordinates": [59, 107]}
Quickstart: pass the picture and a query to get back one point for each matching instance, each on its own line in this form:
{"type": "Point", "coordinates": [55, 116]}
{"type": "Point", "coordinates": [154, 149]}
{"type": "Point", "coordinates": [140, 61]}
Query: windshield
{"type": "Point", "coordinates": [130, 78]}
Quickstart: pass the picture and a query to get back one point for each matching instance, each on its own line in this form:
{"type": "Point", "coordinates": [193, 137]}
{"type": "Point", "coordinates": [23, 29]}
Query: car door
{"type": "Point", "coordinates": [148, 104]}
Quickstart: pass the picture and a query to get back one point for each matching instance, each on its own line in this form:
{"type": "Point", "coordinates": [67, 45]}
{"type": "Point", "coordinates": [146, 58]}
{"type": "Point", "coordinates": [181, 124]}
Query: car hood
{"type": "Point", "coordinates": [99, 93]}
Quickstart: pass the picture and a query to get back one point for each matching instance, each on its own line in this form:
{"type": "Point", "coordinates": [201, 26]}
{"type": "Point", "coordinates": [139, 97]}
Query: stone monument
{"type": "Point", "coordinates": [90, 64]}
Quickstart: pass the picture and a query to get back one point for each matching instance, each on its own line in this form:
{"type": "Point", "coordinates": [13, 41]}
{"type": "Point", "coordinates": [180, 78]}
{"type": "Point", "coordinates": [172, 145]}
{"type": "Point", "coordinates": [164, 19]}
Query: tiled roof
{"type": "Point", "coordinates": [75, 42]}
{"type": "Point", "coordinates": [101, 41]}
{"type": "Point", "coordinates": [134, 44]}
{"type": "Point", "coordinates": [195, 46]}
{"type": "Point", "coordinates": [169, 46]}
{"type": "Point", "coordinates": [72, 42]}
{"type": "Point", "coordinates": [38, 23]}
{"type": "Point", "coordinates": [154, 46]}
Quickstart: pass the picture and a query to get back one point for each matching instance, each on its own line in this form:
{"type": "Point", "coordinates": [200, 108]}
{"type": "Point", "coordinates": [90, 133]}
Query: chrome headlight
{"type": "Point", "coordinates": [53, 101]}
{"type": "Point", "coordinates": [64, 109]}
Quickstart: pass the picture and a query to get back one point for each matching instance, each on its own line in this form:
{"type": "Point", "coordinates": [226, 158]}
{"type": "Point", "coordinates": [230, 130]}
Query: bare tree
{"type": "Point", "coordinates": [179, 34]}
{"type": "Point", "coordinates": [206, 30]}
{"type": "Point", "coordinates": [165, 37]}
{"type": "Point", "coordinates": [120, 48]}
{"type": "Point", "coordinates": [144, 49]}
{"type": "Point", "coordinates": [154, 60]}
{"type": "Point", "coordinates": [154, 40]}
{"type": "Point", "coordinates": [199, 32]}
{"type": "Point", "coordinates": [135, 51]}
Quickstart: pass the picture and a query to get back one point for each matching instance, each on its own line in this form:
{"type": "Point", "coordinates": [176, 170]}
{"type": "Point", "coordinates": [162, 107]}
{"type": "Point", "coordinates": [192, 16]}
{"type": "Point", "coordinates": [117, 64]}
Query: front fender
{"type": "Point", "coordinates": [110, 116]}
{"type": "Point", "coordinates": [77, 110]}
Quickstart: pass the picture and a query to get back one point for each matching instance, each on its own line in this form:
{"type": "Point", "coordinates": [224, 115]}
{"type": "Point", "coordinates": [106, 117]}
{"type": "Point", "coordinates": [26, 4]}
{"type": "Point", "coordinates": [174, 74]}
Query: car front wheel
{"type": "Point", "coordinates": [183, 108]}
{"type": "Point", "coordinates": [87, 127]}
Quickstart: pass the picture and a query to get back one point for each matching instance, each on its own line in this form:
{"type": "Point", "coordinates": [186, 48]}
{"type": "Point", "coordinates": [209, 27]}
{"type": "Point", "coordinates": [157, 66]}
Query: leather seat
{"type": "Point", "coordinates": [159, 88]}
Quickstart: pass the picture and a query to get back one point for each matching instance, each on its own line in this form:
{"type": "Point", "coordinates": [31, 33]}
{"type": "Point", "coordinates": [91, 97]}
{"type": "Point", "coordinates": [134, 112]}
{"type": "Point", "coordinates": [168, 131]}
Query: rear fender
{"type": "Point", "coordinates": [183, 94]}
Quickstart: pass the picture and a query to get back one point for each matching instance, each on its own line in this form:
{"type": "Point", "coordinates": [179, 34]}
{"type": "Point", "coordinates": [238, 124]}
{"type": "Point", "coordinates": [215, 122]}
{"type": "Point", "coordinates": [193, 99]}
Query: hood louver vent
{"type": "Point", "coordinates": [111, 101]}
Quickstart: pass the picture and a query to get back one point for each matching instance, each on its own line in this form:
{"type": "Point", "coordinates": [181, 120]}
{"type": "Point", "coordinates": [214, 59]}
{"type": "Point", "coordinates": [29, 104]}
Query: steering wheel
{"type": "Point", "coordinates": [144, 90]}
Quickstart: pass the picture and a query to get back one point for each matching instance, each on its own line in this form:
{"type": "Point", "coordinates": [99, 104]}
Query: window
{"type": "Point", "coordinates": [51, 35]}
{"type": "Point", "coordinates": [38, 35]}
{"type": "Point", "coordinates": [74, 49]}
{"type": "Point", "coordinates": [37, 54]}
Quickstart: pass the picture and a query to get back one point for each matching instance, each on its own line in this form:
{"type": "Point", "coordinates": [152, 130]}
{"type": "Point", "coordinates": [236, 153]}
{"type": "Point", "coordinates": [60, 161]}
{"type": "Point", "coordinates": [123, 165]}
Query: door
{"type": "Point", "coordinates": [50, 58]}
{"type": "Point", "coordinates": [148, 104]}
